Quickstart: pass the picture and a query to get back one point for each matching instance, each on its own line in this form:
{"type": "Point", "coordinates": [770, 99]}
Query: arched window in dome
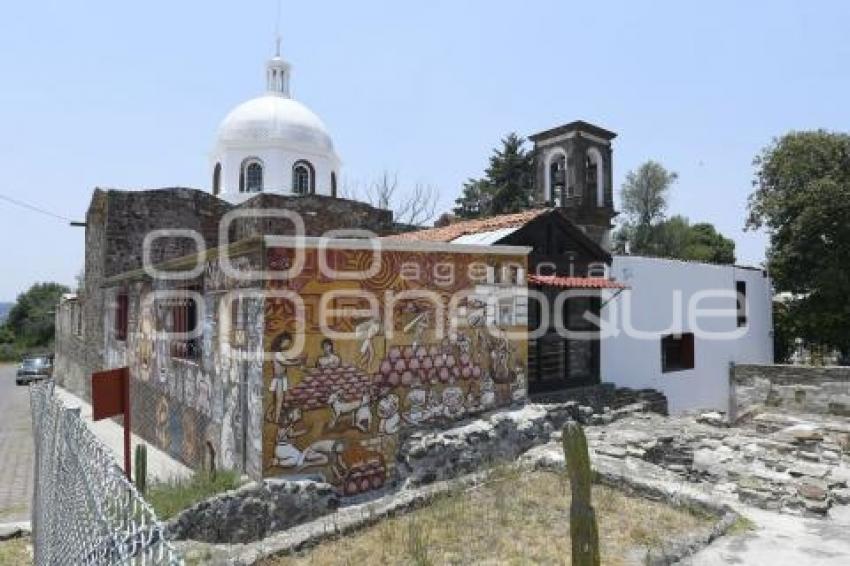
{"type": "Point", "coordinates": [251, 176]}
{"type": "Point", "coordinates": [216, 181]}
{"type": "Point", "coordinates": [303, 178]}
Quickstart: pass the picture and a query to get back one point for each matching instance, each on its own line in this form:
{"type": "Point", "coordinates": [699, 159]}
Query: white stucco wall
{"type": "Point", "coordinates": [663, 300]}
{"type": "Point", "coordinates": [277, 169]}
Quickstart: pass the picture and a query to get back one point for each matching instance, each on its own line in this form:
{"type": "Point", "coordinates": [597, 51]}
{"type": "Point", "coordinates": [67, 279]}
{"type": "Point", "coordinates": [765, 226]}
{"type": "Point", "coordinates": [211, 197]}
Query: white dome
{"type": "Point", "coordinates": [276, 119]}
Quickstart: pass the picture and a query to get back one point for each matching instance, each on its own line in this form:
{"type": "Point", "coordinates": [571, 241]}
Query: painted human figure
{"type": "Point", "coordinates": [329, 357]}
{"type": "Point", "coordinates": [453, 398]}
{"type": "Point", "coordinates": [488, 393]}
{"type": "Point", "coordinates": [282, 362]}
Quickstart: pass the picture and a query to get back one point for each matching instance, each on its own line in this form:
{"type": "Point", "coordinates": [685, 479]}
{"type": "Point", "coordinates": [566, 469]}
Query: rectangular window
{"type": "Point", "coordinates": [677, 352]}
{"type": "Point", "coordinates": [183, 314]}
{"type": "Point", "coordinates": [741, 289]}
{"type": "Point", "coordinates": [122, 304]}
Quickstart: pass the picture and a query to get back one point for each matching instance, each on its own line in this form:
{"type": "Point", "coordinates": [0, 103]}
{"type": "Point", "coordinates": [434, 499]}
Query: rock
{"type": "Point", "coordinates": [841, 496]}
{"type": "Point", "coordinates": [713, 419]}
{"type": "Point", "coordinates": [813, 491]}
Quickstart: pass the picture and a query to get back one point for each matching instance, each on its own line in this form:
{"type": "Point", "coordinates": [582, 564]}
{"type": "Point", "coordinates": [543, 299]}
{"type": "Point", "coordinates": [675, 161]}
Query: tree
{"type": "Point", "coordinates": [644, 202]}
{"type": "Point", "coordinates": [646, 230]}
{"type": "Point", "coordinates": [507, 185]}
{"type": "Point", "coordinates": [31, 320]}
{"type": "Point", "coordinates": [801, 198]}
{"type": "Point", "coordinates": [412, 208]}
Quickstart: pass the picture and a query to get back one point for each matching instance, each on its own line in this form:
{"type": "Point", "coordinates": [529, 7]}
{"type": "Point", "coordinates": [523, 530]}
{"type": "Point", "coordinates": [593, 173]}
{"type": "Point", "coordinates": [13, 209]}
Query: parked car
{"type": "Point", "coordinates": [33, 368]}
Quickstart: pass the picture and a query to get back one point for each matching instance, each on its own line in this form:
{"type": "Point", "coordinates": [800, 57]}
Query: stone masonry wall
{"type": "Point", "coordinates": [793, 389]}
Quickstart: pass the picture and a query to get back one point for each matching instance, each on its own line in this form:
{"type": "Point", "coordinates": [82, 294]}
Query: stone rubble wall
{"type": "Point", "coordinates": [427, 457]}
{"type": "Point", "coordinates": [254, 511]}
{"type": "Point", "coordinates": [792, 389]}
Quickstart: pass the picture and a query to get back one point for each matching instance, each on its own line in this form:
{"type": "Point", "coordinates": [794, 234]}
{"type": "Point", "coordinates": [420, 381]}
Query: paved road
{"type": "Point", "coordinates": [16, 449]}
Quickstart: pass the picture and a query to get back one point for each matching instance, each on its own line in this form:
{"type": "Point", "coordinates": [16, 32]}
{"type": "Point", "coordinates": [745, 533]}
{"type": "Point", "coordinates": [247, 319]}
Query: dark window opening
{"type": "Point", "coordinates": [183, 318]}
{"type": "Point", "coordinates": [741, 290]}
{"type": "Point", "coordinates": [333, 184]}
{"type": "Point", "coordinates": [591, 175]}
{"type": "Point", "coordinates": [122, 319]}
{"type": "Point", "coordinates": [303, 178]}
{"type": "Point", "coordinates": [216, 179]}
{"type": "Point", "coordinates": [677, 352]}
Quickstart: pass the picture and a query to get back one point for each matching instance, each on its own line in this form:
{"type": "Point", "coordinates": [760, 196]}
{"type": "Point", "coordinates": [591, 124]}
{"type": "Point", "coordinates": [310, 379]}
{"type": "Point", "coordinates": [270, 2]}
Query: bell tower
{"type": "Point", "coordinates": [573, 165]}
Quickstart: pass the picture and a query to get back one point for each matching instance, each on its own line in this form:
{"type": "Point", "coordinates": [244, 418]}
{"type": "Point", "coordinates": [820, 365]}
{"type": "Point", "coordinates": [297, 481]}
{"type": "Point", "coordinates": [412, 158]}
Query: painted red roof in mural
{"type": "Point", "coordinates": [575, 282]}
{"type": "Point", "coordinates": [458, 229]}
{"type": "Point", "coordinates": [424, 364]}
{"type": "Point", "coordinates": [319, 383]}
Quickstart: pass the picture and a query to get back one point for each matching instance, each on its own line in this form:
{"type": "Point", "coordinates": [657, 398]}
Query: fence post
{"type": "Point", "coordinates": [583, 529]}
{"type": "Point", "coordinates": [141, 468]}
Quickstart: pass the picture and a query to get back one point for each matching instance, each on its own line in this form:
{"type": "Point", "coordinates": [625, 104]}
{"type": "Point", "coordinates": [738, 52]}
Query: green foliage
{"type": "Point", "coordinates": [644, 195]}
{"type": "Point", "coordinates": [784, 333]}
{"type": "Point", "coordinates": [31, 320]}
{"type": "Point", "coordinates": [649, 232]}
{"type": "Point", "coordinates": [170, 498]}
{"type": "Point", "coordinates": [802, 199]}
{"type": "Point", "coordinates": [507, 184]}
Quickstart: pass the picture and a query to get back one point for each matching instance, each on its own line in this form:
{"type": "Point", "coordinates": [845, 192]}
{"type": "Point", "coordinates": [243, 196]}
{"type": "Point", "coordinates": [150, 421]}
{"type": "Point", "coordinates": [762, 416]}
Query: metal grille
{"type": "Point", "coordinates": [84, 509]}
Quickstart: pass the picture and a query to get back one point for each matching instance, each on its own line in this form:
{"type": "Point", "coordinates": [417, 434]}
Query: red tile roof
{"type": "Point", "coordinates": [458, 229]}
{"type": "Point", "coordinates": [575, 282]}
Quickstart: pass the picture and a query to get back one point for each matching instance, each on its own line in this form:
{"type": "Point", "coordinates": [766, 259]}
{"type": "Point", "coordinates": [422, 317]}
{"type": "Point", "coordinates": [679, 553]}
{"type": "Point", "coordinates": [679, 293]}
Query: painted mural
{"type": "Point", "coordinates": [206, 409]}
{"type": "Point", "coordinates": [336, 408]}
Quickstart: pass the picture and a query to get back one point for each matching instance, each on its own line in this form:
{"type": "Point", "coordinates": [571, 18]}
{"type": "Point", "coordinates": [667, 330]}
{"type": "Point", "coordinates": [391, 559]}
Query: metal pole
{"type": "Point", "coordinates": [125, 378]}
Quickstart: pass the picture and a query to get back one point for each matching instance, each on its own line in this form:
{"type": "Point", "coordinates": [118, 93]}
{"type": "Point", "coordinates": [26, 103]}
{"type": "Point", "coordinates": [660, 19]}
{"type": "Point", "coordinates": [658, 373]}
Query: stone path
{"type": "Point", "coordinates": [16, 448]}
{"type": "Point", "coordinates": [780, 540]}
{"type": "Point", "coordinates": [161, 466]}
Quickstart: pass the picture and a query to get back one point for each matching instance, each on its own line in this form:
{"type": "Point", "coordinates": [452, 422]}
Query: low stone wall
{"type": "Point", "coordinates": [429, 456]}
{"type": "Point", "coordinates": [254, 511]}
{"type": "Point", "coordinates": [793, 389]}
{"type": "Point", "coordinates": [607, 395]}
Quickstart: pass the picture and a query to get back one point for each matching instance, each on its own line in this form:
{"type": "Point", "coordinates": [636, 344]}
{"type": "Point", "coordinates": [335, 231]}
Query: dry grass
{"type": "Point", "coordinates": [516, 519]}
{"type": "Point", "coordinates": [15, 552]}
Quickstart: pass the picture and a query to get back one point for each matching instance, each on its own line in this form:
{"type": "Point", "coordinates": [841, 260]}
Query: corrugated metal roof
{"type": "Point", "coordinates": [454, 231]}
{"type": "Point", "coordinates": [576, 282]}
{"type": "Point", "coordinates": [485, 238]}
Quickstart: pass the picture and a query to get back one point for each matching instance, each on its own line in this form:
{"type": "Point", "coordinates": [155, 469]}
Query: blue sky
{"type": "Point", "coordinates": [129, 95]}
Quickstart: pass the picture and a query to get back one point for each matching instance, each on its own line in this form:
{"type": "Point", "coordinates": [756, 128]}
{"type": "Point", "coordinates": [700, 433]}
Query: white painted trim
{"type": "Point", "coordinates": [570, 135]}
{"type": "Point", "coordinates": [547, 183]}
{"type": "Point", "coordinates": [596, 156]}
{"type": "Point", "coordinates": [391, 245]}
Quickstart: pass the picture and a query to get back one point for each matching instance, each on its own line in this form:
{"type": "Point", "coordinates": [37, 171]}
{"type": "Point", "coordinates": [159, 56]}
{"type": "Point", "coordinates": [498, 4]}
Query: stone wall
{"type": "Point", "coordinates": [598, 397]}
{"type": "Point", "coordinates": [254, 511]}
{"type": "Point", "coordinates": [793, 389]}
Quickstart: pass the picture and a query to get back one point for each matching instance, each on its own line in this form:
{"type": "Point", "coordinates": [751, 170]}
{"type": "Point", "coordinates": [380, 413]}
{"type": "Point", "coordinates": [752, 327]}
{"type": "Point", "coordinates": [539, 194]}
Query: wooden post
{"type": "Point", "coordinates": [583, 529]}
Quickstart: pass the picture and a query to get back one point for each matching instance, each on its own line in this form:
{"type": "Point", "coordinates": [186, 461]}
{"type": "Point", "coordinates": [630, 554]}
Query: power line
{"type": "Point", "coordinates": [34, 208]}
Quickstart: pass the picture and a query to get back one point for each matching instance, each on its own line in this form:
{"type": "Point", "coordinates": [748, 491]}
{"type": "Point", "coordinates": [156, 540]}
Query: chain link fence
{"type": "Point", "coordinates": [84, 509]}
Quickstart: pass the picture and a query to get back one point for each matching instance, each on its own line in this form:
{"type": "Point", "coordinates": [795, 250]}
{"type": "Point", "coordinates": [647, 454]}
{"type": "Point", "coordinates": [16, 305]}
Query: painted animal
{"type": "Point", "coordinates": [340, 408]}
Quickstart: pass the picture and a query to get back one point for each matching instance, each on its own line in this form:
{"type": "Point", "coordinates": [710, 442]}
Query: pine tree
{"type": "Point", "coordinates": [507, 184]}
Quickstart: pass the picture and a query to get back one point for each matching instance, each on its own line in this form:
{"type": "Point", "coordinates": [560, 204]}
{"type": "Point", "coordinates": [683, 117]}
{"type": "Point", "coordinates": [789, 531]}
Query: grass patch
{"type": "Point", "coordinates": [741, 526]}
{"type": "Point", "coordinates": [15, 552]}
{"type": "Point", "coordinates": [518, 518]}
{"type": "Point", "coordinates": [170, 498]}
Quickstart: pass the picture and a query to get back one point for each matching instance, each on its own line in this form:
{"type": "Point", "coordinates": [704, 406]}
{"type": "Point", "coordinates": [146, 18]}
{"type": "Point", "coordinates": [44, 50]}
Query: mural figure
{"type": "Point", "coordinates": [366, 332]}
{"type": "Point", "coordinates": [453, 401]}
{"type": "Point", "coordinates": [417, 326]}
{"type": "Point", "coordinates": [329, 358]}
{"type": "Point", "coordinates": [417, 402]}
{"type": "Point", "coordinates": [282, 362]}
{"type": "Point", "coordinates": [390, 419]}
{"type": "Point", "coordinates": [488, 393]}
